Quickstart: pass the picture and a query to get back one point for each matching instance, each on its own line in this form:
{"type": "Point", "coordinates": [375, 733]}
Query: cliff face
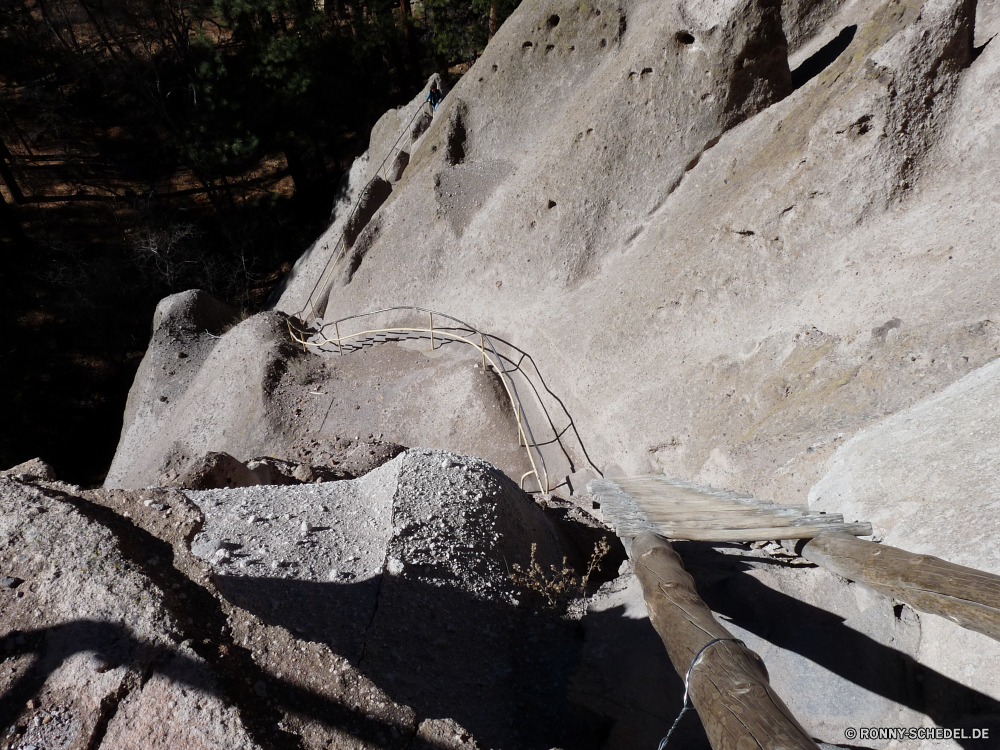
{"type": "Point", "coordinates": [733, 273]}
{"type": "Point", "coordinates": [744, 243]}
{"type": "Point", "coordinates": [732, 236]}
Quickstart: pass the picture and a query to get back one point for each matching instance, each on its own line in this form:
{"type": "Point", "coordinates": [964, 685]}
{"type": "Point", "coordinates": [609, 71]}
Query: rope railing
{"type": "Point", "coordinates": [340, 248]}
{"type": "Point", "coordinates": [526, 438]}
{"type": "Point", "coordinates": [490, 356]}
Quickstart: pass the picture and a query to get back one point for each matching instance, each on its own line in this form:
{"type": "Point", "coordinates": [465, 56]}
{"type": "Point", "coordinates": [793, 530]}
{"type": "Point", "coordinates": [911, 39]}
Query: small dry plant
{"type": "Point", "coordinates": [557, 585]}
{"type": "Point", "coordinates": [302, 371]}
{"type": "Point", "coordinates": [243, 313]}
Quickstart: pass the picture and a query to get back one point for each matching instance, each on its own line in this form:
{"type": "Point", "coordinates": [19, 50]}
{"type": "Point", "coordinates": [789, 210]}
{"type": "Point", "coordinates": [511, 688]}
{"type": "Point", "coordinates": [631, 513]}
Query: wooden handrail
{"type": "Point", "coordinates": [966, 596]}
{"type": "Point", "coordinates": [727, 682]}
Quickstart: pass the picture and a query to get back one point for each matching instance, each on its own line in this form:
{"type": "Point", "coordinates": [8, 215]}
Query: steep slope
{"type": "Point", "coordinates": [724, 264]}
{"type": "Point", "coordinates": [610, 215]}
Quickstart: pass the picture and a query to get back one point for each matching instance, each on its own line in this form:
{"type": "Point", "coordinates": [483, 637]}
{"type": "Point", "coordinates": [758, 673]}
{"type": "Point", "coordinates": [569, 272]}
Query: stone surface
{"type": "Point", "coordinates": [725, 260]}
{"type": "Point", "coordinates": [84, 632]}
{"type": "Point", "coordinates": [36, 468]}
{"type": "Point", "coordinates": [114, 633]}
{"type": "Point", "coordinates": [251, 394]}
{"type": "Point", "coordinates": [214, 470]}
{"type": "Point", "coordinates": [928, 479]}
{"type": "Point", "coordinates": [722, 275]}
{"type": "Point", "coordinates": [405, 574]}
{"type": "Point", "coordinates": [734, 272]}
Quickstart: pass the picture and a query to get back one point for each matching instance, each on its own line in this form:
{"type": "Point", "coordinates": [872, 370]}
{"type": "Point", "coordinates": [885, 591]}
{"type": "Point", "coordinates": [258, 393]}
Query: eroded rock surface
{"type": "Point", "coordinates": [251, 393]}
{"type": "Point", "coordinates": [376, 612]}
{"type": "Point", "coordinates": [92, 646]}
{"type": "Point", "coordinates": [405, 573]}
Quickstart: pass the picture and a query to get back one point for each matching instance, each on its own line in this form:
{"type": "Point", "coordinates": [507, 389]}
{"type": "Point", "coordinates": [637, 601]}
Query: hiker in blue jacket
{"type": "Point", "coordinates": [434, 97]}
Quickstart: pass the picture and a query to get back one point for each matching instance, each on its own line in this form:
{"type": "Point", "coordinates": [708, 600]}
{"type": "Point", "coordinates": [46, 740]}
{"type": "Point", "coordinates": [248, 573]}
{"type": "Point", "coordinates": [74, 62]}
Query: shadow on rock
{"type": "Point", "coordinates": [500, 671]}
{"type": "Point", "coordinates": [114, 646]}
{"type": "Point", "coordinates": [823, 638]}
{"type": "Point", "coordinates": [625, 674]}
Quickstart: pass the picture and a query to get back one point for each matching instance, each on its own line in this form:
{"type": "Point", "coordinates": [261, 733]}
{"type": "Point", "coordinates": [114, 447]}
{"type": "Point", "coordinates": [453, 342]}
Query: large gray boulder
{"type": "Point", "coordinates": [89, 639]}
{"type": "Point", "coordinates": [406, 572]}
{"type": "Point", "coordinates": [252, 393]}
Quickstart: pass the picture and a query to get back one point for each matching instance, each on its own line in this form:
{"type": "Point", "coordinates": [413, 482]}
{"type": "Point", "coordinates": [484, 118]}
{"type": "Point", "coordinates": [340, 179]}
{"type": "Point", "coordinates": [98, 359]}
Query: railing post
{"type": "Point", "coordinates": [432, 331]}
{"type": "Point", "coordinates": [336, 327]}
{"type": "Point", "coordinates": [727, 683]}
{"type": "Point", "coordinates": [482, 350]}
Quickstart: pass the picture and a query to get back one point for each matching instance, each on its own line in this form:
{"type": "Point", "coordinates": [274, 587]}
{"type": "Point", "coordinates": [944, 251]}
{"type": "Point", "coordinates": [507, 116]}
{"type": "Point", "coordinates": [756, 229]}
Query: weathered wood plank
{"type": "Point", "coordinates": [729, 685]}
{"type": "Point", "coordinates": [966, 596]}
{"type": "Point", "coordinates": [725, 521]}
{"type": "Point", "coordinates": [694, 534]}
{"type": "Point", "coordinates": [677, 509]}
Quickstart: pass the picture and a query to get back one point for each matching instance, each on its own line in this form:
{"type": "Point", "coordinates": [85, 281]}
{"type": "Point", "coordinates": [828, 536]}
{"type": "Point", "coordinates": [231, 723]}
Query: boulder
{"type": "Point", "coordinates": [36, 468]}
{"type": "Point", "coordinates": [214, 470]}
{"type": "Point", "coordinates": [406, 573]}
{"type": "Point", "coordinates": [269, 471]}
{"type": "Point", "coordinates": [397, 166]}
{"type": "Point", "coordinates": [928, 479]}
{"type": "Point", "coordinates": [254, 394]}
{"type": "Point", "coordinates": [89, 643]}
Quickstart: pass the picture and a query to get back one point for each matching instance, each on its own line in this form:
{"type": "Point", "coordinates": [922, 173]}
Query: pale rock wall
{"type": "Point", "coordinates": [722, 277]}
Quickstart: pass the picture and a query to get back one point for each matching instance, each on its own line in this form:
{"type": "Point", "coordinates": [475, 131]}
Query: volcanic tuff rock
{"type": "Point", "coordinates": [252, 393]}
{"type": "Point", "coordinates": [375, 612]}
{"type": "Point", "coordinates": [724, 261]}
{"type": "Point", "coordinates": [726, 271]}
{"type": "Point", "coordinates": [90, 646]}
{"type": "Point", "coordinates": [665, 205]}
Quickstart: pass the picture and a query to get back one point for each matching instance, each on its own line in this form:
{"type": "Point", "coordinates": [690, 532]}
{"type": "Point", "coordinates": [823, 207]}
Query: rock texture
{"type": "Point", "coordinates": [92, 650]}
{"type": "Point", "coordinates": [375, 612]}
{"type": "Point", "coordinates": [745, 244]}
{"type": "Point", "coordinates": [251, 393]}
{"type": "Point", "coordinates": [927, 478]}
{"type": "Point", "coordinates": [665, 205]}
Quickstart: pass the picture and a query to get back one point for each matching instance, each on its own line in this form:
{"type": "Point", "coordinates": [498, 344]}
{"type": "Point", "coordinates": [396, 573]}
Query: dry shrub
{"type": "Point", "coordinates": [558, 585]}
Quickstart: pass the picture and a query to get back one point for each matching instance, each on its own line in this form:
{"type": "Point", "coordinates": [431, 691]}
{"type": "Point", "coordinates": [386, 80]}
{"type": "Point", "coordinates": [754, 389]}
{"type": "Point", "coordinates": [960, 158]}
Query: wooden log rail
{"type": "Point", "coordinates": [966, 596]}
{"type": "Point", "coordinates": [727, 682]}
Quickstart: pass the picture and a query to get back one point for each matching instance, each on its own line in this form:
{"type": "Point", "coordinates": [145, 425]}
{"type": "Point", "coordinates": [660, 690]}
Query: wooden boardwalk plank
{"type": "Point", "coordinates": [677, 509]}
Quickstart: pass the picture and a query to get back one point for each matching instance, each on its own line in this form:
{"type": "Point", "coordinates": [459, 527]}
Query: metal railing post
{"type": "Point", "coordinates": [432, 331]}
{"type": "Point", "coordinates": [336, 327]}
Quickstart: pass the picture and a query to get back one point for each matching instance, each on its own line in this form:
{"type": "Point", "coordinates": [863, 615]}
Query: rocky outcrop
{"type": "Point", "coordinates": [251, 393]}
{"type": "Point", "coordinates": [31, 470]}
{"type": "Point", "coordinates": [376, 612]}
{"type": "Point", "coordinates": [743, 246]}
{"type": "Point", "coordinates": [725, 268]}
{"type": "Point", "coordinates": [92, 646]}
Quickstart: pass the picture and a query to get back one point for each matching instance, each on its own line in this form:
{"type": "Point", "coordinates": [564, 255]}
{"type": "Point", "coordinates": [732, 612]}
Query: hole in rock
{"type": "Point", "coordinates": [823, 58]}
{"type": "Point", "coordinates": [526, 45]}
{"type": "Point", "coordinates": [552, 204]}
{"type": "Point", "coordinates": [553, 21]}
{"type": "Point", "coordinates": [645, 72]}
{"type": "Point", "coordinates": [604, 43]}
{"type": "Point", "coordinates": [685, 37]}
{"type": "Point", "coordinates": [549, 47]}
{"type": "Point", "coordinates": [494, 67]}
